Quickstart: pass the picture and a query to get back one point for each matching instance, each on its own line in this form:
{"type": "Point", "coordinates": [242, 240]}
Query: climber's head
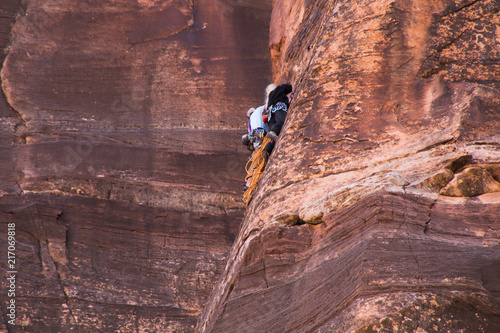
{"type": "Point", "coordinates": [269, 88]}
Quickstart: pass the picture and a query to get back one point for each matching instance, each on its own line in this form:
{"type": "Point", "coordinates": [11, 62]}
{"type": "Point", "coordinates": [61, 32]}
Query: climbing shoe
{"type": "Point", "coordinates": [271, 135]}
{"type": "Point", "coordinates": [265, 155]}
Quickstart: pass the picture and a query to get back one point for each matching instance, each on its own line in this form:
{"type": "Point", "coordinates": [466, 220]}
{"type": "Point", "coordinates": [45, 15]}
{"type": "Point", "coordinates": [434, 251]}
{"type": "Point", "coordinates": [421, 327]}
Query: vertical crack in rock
{"type": "Point", "coordinates": [414, 256]}
{"type": "Point", "coordinates": [16, 179]}
{"type": "Point", "coordinates": [63, 288]}
{"type": "Point", "coordinates": [264, 276]}
{"type": "Point", "coordinates": [428, 223]}
{"type": "Point", "coordinates": [42, 238]}
{"type": "Point", "coordinates": [435, 57]}
{"type": "Point", "coordinates": [66, 242]}
{"type": "Point", "coordinates": [57, 268]}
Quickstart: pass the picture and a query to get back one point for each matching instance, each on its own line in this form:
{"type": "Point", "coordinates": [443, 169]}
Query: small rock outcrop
{"type": "Point", "coordinates": [379, 209]}
{"type": "Point", "coordinates": [471, 182]}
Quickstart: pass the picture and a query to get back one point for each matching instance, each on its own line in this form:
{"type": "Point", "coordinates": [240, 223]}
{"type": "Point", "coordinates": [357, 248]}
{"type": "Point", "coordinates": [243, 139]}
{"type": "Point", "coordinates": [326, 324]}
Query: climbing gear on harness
{"type": "Point", "coordinates": [255, 168]}
{"type": "Point", "coordinates": [247, 140]}
{"type": "Point", "coordinates": [259, 133]}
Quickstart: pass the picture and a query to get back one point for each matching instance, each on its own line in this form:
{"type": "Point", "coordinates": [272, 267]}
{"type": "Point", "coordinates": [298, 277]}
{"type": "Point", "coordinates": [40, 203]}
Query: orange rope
{"type": "Point", "coordinates": [255, 168]}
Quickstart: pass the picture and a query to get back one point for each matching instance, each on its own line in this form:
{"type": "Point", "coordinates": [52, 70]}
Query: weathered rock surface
{"type": "Point", "coordinates": [471, 182]}
{"type": "Point", "coordinates": [121, 163]}
{"type": "Point", "coordinates": [86, 263]}
{"type": "Point", "coordinates": [379, 210]}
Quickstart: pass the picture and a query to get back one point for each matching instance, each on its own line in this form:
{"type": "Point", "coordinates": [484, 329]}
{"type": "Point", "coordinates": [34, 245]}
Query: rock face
{"type": "Point", "coordinates": [121, 163]}
{"type": "Point", "coordinates": [379, 210]}
{"type": "Point", "coordinates": [112, 266]}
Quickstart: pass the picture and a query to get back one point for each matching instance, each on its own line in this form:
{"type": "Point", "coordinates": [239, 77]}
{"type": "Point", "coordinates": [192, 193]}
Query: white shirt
{"type": "Point", "coordinates": [256, 121]}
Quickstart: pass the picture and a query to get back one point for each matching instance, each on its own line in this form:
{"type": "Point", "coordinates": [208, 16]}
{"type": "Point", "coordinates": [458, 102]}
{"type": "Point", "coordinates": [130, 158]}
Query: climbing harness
{"type": "Point", "coordinates": [255, 168]}
{"type": "Point", "coordinates": [259, 132]}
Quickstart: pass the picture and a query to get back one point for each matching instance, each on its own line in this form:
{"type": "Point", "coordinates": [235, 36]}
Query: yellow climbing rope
{"type": "Point", "coordinates": [255, 168]}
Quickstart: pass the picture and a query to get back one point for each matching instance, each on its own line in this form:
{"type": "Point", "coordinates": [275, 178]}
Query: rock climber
{"type": "Point", "coordinates": [257, 126]}
{"type": "Point", "coordinates": [277, 108]}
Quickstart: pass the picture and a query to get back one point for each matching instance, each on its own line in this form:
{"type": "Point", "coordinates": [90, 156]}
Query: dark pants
{"type": "Point", "coordinates": [269, 147]}
{"type": "Point", "coordinates": [276, 123]}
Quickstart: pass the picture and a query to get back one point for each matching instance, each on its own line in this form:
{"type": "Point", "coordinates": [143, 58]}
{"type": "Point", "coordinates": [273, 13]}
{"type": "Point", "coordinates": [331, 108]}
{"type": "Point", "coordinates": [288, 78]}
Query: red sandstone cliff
{"type": "Point", "coordinates": [122, 169]}
{"type": "Point", "coordinates": [121, 163]}
{"type": "Point", "coordinates": [380, 208]}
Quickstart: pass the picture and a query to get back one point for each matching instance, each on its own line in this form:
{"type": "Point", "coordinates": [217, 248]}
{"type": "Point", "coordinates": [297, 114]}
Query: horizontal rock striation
{"type": "Point", "coordinates": [121, 163]}
{"type": "Point", "coordinates": [104, 265]}
{"type": "Point", "coordinates": [379, 209]}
